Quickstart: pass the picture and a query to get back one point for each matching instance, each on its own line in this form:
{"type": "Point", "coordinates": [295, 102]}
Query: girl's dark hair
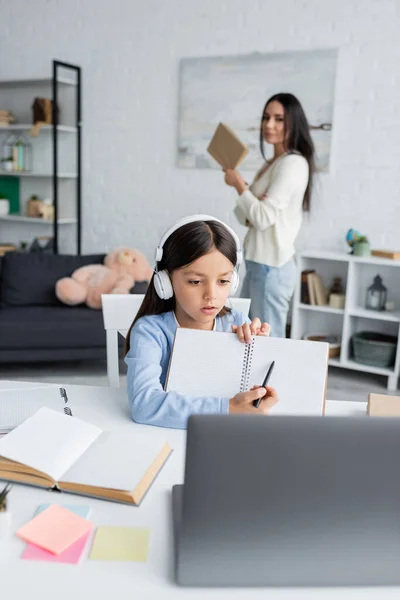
{"type": "Point", "coordinates": [297, 135]}
{"type": "Point", "coordinates": [184, 246]}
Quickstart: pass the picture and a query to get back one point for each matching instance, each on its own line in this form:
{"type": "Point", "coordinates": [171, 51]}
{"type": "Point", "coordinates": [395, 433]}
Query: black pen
{"type": "Point", "coordinates": [256, 403]}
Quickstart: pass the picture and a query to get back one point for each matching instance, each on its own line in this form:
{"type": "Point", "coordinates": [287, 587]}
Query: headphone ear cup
{"type": "Point", "coordinates": [163, 285]}
{"type": "Point", "coordinates": [234, 283]}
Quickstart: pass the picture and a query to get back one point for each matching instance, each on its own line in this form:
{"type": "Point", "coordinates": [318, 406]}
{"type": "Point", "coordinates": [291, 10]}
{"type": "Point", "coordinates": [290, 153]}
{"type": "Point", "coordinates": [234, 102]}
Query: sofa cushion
{"type": "Point", "coordinates": [36, 327]}
{"type": "Point", "coordinates": [29, 279]}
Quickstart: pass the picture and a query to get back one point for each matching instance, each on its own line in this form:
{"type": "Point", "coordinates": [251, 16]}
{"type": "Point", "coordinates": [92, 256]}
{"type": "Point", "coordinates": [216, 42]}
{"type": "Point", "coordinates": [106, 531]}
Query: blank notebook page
{"type": "Point", "coordinates": [206, 363]}
{"type": "Point", "coordinates": [16, 405]}
{"type": "Point", "coordinates": [212, 363]}
{"type": "Point", "coordinates": [299, 373]}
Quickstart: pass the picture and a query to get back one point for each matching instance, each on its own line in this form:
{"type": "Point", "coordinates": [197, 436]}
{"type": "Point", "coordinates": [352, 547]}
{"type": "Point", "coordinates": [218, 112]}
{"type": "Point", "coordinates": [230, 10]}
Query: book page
{"type": "Point", "coordinates": [299, 374]}
{"type": "Point", "coordinates": [16, 405]}
{"type": "Point", "coordinates": [116, 460]}
{"type": "Point", "coordinates": [206, 363]}
{"type": "Point", "coordinates": [49, 442]}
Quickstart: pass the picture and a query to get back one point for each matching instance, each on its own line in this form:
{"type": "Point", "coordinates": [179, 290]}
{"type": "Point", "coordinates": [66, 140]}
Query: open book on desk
{"type": "Point", "coordinates": [71, 455]}
{"type": "Point", "coordinates": [210, 363]}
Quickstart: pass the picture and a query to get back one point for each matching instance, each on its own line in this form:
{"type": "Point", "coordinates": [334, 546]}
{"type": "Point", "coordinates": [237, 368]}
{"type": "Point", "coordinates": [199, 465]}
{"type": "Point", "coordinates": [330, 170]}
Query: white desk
{"type": "Point", "coordinates": [97, 580]}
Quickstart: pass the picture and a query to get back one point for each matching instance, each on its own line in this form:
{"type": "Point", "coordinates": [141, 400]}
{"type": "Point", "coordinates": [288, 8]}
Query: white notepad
{"type": "Point", "coordinates": [16, 405]}
{"type": "Point", "coordinates": [210, 363]}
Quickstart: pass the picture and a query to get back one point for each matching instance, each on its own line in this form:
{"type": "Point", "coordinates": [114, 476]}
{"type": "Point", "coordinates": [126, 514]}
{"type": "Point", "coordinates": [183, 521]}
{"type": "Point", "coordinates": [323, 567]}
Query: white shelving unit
{"type": "Point", "coordinates": [36, 221]}
{"type": "Point", "coordinates": [31, 174]}
{"type": "Point", "coordinates": [357, 274]}
{"type": "Point", "coordinates": [44, 128]}
{"type": "Point", "coordinates": [18, 95]}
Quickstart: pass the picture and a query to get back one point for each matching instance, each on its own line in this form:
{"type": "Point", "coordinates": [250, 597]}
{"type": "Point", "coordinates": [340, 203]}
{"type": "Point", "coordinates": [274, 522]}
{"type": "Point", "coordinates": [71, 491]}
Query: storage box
{"type": "Point", "coordinates": [375, 349]}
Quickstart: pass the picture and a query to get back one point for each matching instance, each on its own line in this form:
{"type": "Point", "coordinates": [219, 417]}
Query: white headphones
{"type": "Point", "coordinates": [162, 281]}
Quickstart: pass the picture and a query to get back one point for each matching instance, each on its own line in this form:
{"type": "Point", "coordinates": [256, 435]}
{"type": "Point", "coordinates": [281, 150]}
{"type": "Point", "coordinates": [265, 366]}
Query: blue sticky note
{"type": "Point", "coordinates": [79, 509]}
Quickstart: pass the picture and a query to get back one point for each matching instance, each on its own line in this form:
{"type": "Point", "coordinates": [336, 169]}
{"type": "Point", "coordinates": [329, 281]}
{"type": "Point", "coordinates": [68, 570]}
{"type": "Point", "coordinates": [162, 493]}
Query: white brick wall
{"type": "Point", "coordinates": [129, 52]}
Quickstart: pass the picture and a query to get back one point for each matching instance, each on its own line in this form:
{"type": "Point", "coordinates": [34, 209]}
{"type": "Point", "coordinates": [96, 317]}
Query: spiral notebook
{"type": "Point", "coordinates": [16, 405]}
{"type": "Point", "coordinates": [210, 363]}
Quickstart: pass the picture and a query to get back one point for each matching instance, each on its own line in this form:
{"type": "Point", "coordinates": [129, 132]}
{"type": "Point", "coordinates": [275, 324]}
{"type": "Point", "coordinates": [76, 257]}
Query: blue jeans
{"type": "Point", "coordinates": [270, 290]}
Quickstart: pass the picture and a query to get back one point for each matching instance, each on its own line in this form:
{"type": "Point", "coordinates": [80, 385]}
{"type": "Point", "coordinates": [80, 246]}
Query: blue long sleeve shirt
{"type": "Point", "coordinates": [151, 342]}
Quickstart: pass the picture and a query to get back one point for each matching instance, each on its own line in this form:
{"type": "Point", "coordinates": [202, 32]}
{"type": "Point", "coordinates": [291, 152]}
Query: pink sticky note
{"type": "Point", "coordinates": [71, 555]}
{"type": "Point", "coordinates": [55, 529]}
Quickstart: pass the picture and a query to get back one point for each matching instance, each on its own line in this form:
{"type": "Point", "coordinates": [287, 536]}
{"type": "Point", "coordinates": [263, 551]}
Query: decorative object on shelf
{"type": "Point", "coordinates": [5, 515]}
{"type": "Point", "coordinates": [376, 295]}
{"type": "Point", "coordinates": [351, 236]}
{"type": "Point", "coordinates": [122, 267]}
{"type": "Point", "coordinates": [358, 243]}
{"type": "Point", "coordinates": [4, 206]}
{"type": "Point", "coordinates": [43, 243]}
{"type": "Point", "coordinates": [42, 209]}
{"type": "Point", "coordinates": [18, 151]}
{"type": "Point", "coordinates": [42, 109]}
{"type": "Point", "coordinates": [361, 246]}
{"type": "Point", "coordinates": [6, 117]}
{"type": "Point", "coordinates": [337, 286]}
{"type": "Point", "coordinates": [33, 206]}
{"type": "Point", "coordinates": [337, 301]}
{"type": "Point", "coordinates": [390, 305]}
{"type": "Point", "coordinates": [46, 210]}
{"type": "Point", "coordinates": [7, 248]}
{"type": "Point", "coordinates": [391, 254]}
{"type": "Point", "coordinates": [336, 294]}
{"type": "Point", "coordinates": [7, 163]}
{"type": "Point", "coordinates": [374, 349]}
{"type": "Point", "coordinates": [332, 340]}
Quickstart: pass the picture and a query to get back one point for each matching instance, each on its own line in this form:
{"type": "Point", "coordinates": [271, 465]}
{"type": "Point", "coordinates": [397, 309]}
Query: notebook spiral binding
{"type": "Point", "coordinates": [247, 360]}
{"type": "Point", "coordinates": [64, 396]}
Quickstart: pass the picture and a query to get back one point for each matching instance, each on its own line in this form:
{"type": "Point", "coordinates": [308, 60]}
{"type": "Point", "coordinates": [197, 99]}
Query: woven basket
{"type": "Point", "coordinates": [375, 349]}
{"type": "Point", "coordinates": [332, 340]}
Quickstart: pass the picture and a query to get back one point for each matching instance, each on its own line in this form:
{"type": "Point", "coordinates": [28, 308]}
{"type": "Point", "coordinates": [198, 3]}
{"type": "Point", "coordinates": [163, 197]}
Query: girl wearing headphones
{"type": "Point", "coordinates": [196, 270]}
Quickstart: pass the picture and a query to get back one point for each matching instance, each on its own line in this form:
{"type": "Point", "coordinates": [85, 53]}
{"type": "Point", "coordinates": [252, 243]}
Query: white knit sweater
{"type": "Point", "coordinates": [272, 210]}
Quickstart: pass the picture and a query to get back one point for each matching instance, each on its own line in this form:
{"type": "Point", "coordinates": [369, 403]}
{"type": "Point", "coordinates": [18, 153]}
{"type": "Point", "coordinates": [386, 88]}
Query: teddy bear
{"type": "Point", "coordinates": [121, 268]}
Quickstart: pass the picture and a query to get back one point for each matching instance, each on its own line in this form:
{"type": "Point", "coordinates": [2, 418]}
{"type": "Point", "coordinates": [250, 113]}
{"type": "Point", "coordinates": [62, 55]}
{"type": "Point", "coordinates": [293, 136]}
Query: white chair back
{"type": "Point", "coordinates": [119, 310]}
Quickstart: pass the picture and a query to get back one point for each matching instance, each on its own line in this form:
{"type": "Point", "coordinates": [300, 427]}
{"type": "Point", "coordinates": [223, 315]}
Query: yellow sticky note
{"type": "Point", "coordinates": [121, 543]}
{"type": "Point", "coordinates": [55, 529]}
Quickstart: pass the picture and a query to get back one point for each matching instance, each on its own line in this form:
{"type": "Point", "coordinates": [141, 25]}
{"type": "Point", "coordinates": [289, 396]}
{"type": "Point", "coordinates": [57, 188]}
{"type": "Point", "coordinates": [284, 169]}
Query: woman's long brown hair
{"type": "Point", "coordinates": [297, 136]}
{"type": "Point", "coordinates": [184, 246]}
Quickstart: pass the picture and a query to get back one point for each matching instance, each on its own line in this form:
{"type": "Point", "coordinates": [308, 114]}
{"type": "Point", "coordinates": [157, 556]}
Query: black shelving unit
{"type": "Point", "coordinates": [57, 65]}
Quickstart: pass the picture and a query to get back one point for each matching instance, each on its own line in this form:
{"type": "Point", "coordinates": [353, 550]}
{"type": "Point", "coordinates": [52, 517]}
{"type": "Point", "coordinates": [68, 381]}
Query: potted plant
{"type": "Point", "coordinates": [34, 206]}
{"type": "Point", "coordinates": [361, 246]}
{"type": "Point", "coordinates": [4, 205]}
{"type": "Point", "coordinates": [7, 163]}
{"type": "Point", "coordinates": [5, 515]}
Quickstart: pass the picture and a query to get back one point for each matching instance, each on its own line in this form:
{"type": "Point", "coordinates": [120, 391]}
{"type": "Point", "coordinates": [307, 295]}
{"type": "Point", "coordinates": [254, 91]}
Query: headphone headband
{"type": "Point", "coordinates": [192, 219]}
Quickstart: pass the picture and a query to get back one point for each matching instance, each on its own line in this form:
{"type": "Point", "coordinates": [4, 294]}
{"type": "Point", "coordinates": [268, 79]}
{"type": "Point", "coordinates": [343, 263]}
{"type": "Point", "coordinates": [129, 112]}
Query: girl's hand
{"type": "Point", "coordinates": [243, 402]}
{"type": "Point", "coordinates": [234, 179]}
{"type": "Point", "coordinates": [245, 331]}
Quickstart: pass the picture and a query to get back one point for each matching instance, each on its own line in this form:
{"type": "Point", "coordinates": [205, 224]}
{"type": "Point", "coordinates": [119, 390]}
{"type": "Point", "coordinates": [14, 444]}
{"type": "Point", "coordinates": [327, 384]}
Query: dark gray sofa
{"type": "Point", "coordinates": [34, 324]}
